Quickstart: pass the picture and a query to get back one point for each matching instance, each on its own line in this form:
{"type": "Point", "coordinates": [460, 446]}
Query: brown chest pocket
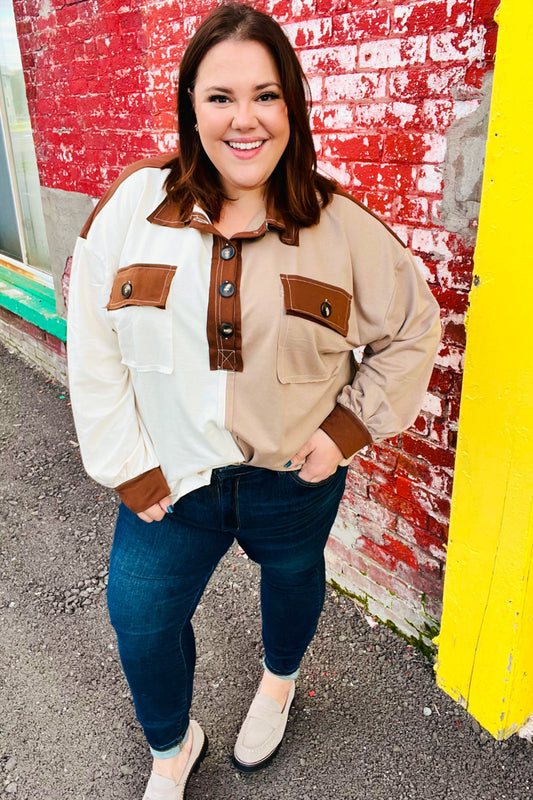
{"type": "Point", "coordinates": [313, 329]}
{"type": "Point", "coordinates": [141, 285]}
{"type": "Point", "coordinates": [141, 310]}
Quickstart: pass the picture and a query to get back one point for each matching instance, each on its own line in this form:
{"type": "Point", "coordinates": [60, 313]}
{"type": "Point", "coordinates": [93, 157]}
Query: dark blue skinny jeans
{"type": "Point", "coordinates": [159, 570]}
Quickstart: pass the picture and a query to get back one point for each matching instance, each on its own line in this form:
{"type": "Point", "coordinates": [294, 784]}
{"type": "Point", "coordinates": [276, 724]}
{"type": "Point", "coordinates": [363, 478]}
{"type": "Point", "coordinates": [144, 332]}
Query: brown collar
{"type": "Point", "coordinates": [168, 215]}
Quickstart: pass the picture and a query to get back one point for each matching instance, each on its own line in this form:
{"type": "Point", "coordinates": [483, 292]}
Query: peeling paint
{"type": "Point", "coordinates": [463, 167]}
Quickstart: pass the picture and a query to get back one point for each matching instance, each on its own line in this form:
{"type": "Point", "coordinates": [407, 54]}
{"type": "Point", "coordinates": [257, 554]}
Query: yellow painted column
{"type": "Point", "coordinates": [485, 658]}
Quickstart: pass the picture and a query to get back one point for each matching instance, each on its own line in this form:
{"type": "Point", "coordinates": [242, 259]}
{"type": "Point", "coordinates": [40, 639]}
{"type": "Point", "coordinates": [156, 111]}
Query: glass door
{"type": "Point", "coordinates": [22, 229]}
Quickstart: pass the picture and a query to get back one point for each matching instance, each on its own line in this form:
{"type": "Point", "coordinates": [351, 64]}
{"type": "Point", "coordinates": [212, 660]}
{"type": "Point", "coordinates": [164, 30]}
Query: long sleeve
{"type": "Point", "coordinates": [114, 444]}
{"type": "Point", "coordinates": [388, 389]}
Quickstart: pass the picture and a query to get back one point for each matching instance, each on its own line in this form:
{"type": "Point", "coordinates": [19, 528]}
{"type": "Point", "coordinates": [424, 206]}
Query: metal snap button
{"type": "Point", "coordinates": [325, 309]}
{"type": "Point", "coordinates": [126, 289]}
{"type": "Point", "coordinates": [227, 252]}
{"type": "Point", "coordinates": [226, 289]}
{"type": "Point", "coordinates": [225, 329]}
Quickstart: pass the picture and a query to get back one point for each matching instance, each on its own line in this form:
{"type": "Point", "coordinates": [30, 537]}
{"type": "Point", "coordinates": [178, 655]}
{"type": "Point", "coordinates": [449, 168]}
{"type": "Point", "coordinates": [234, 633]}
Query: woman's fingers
{"type": "Point", "coordinates": [156, 512]}
{"type": "Point", "coordinates": [322, 458]}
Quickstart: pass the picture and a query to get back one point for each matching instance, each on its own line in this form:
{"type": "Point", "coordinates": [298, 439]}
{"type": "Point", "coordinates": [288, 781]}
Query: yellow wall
{"type": "Point", "coordinates": [486, 642]}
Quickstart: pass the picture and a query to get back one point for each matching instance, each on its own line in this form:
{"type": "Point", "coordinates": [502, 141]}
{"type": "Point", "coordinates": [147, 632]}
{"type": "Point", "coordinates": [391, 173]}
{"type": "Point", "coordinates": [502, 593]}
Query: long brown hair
{"type": "Point", "coordinates": [294, 184]}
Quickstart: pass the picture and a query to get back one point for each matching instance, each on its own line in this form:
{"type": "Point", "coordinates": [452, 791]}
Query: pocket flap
{"type": "Point", "coordinates": [141, 285]}
{"type": "Point", "coordinates": [321, 302]}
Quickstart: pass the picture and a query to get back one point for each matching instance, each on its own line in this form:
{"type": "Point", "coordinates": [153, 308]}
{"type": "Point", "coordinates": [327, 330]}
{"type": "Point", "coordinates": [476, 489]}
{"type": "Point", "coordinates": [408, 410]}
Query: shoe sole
{"type": "Point", "coordinates": [248, 768]}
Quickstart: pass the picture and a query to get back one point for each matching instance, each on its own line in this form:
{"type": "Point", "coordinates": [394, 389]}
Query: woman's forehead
{"type": "Point", "coordinates": [245, 62]}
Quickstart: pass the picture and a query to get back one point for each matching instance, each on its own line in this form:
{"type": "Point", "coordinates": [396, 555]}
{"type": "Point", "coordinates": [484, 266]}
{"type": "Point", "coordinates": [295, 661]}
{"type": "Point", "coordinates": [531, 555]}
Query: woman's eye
{"type": "Point", "coordinates": [219, 98]}
{"type": "Point", "coordinates": [266, 96]}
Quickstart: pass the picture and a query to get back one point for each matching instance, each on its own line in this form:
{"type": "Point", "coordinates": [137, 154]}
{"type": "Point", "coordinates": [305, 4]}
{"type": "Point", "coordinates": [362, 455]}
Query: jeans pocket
{"type": "Point", "coordinates": [295, 475]}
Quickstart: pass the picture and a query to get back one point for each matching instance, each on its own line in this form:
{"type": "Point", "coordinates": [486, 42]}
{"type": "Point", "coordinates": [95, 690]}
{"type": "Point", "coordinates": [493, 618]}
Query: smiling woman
{"type": "Point", "coordinates": [216, 300]}
{"type": "Point", "coordinates": [243, 124]}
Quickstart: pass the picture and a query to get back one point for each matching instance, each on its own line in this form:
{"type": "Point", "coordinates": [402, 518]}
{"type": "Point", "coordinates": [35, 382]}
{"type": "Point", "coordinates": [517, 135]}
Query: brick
{"type": "Point", "coordinates": [452, 299]}
{"type": "Point", "coordinates": [438, 529]}
{"type": "Point", "coordinates": [382, 203]}
{"type": "Point", "coordinates": [437, 115]}
{"type": "Point", "coordinates": [430, 179]}
{"type": "Point", "coordinates": [337, 117]}
{"type": "Point", "coordinates": [340, 551]}
{"type": "Point", "coordinates": [400, 177]}
{"type": "Point", "coordinates": [438, 507]}
{"type": "Point", "coordinates": [414, 83]}
{"type": "Point", "coordinates": [421, 424]}
{"type": "Point", "coordinates": [312, 32]}
{"type": "Point", "coordinates": [356, 483]}
{"type": "Point", "coordinates": [328, 60]}
{"type": "Point", "coordinates": [441, 381]}
{"type": "Point", "coordinates": [451, 357]}
{"type": "Point", "coordinates": [388, 555]}
{"type": "Point", "coordinates": [357, 25]}
{"type": "Point", "coordinates": [484, 11]}
{"type": "Point", "coordinates": [361, 86]}
{"type": "Point", "coordinates": [390, 53]}
{"type": "Point", "coordinates": [412, 210]}
{"type": "Point", "coordinates": [432, 453]}
{"type": "Point", "coordinates": [421, 17]}
{"type": "Point", "coordinates": [372, 511]}
{"type": "Point", "coordinates": [454, 332]}
{"type": "Point", "coordinates": [398, 505]}
{"type": "Point", "coordinates": [414, 148]}
{"type": "Point", "coordinates": [355, 147]}
{"type": "Point", "coordinates": [457, 45]}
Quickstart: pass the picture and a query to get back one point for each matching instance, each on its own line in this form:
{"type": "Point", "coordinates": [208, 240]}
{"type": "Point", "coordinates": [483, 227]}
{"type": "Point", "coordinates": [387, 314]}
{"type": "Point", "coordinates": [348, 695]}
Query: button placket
{"type": "Point", "coordinates": [226, 290]}
{"type": "Point", "coordinates": [224, 310]}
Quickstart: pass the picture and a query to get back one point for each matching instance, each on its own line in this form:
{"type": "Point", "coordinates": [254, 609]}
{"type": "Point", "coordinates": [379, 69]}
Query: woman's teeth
{"type": "Point", "coordinates": [245, 145]}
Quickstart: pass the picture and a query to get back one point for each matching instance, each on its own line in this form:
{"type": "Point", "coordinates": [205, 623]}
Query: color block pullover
{"type": "Point", "coordinates": [190, 351]}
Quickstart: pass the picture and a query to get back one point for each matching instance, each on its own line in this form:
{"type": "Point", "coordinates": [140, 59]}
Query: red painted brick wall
{"type": "Point", "coordinates": [388, 80]}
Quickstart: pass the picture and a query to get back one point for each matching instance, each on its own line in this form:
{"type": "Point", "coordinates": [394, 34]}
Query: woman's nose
{"type": "Point", "coordinates": [244, 117]}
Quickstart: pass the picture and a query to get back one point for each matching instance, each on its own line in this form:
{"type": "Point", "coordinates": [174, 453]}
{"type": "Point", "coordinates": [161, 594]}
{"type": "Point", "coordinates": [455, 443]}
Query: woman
{"type": "Point", "coordinates": [216, 300]}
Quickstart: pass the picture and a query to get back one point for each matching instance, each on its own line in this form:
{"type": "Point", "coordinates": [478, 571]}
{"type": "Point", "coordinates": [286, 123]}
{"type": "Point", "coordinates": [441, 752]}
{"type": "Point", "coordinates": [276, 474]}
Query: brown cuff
{"type": "Point", "coordinates": [346, 430]}
{"type": "Point", "coordinates": [143, 491]}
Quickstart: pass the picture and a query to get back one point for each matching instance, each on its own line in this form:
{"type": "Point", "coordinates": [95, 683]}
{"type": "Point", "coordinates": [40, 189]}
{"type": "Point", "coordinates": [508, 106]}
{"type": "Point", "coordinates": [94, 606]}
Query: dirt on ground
{"type": "Point", "coordinates": [368, 722]}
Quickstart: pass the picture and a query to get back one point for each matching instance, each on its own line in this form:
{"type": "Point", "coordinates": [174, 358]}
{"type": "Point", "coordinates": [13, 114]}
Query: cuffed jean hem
{"type": "Point", "coordinates": [172, 751]}
{"type": "Point", "coordinates": [291, 677]}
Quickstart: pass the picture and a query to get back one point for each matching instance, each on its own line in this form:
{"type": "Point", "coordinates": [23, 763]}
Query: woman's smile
{"type": "Point", "coordinates": [241, 114]}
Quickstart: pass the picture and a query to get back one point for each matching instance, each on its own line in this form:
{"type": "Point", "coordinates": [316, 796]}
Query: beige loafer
{"type": "Point", "coordinates": [262, 732]}
{"type": "Point", "coordinates": [160, 788]}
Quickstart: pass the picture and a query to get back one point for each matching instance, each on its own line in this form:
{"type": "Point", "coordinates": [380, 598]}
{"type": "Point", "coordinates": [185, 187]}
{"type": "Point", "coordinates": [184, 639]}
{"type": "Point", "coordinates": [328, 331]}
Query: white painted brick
{"type": "Point", "coordinates": [436, 145]}
{"type": "Point", "coordinates": [316, 85]}
{"type": "Point", "coordinates": [334, 117]}
{"type": "Point", "coordinates": [424, 269]}
{"type": "Point", "coordinates": [389, 53]}
{"type": "Point", "coordinates": [432, 241]}
{"type": "Point", "coordinates": [450, 357]}
{"type": "Point", "coordinates": [401, 231]}
{"type": "Point", "coordinates": [337, 172]}
{"type": "Point", "coordinates": [448, 46]}
{"type": "Point", "coordinates": [343, 59]}
{"type": "Point", "coordinates": [301, 7]}
{"type": "Point", "coordinates": [370, 115]}
{"type": "Point", "coordinates": [360, 86]}
{"type": "Point", "coordinates": [433, 404]}
{"type": "Point", "coordinates": [310, 32]}
{"type": "Point", "coordinates": [404, 111]}
{"type": "Point", "coordinates": [344, 533]}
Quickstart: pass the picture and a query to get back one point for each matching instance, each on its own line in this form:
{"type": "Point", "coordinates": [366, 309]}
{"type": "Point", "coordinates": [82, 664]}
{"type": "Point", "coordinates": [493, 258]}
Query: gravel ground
{"type": "Point", "coordinates": [368, 722]}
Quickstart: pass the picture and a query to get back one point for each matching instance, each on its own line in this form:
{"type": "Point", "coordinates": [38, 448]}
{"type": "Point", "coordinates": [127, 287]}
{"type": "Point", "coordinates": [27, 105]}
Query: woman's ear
{"type": "Point", "coordinates": [191, 95]}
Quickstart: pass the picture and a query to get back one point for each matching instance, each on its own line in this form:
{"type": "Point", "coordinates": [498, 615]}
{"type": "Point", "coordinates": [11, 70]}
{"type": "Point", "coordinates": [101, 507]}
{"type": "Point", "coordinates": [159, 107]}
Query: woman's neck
{"type": "Point", "coordinates": [236, 215]}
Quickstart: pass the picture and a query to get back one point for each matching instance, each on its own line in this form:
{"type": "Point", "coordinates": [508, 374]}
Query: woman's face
{"type": "Point", "coordinates": [241, 114]}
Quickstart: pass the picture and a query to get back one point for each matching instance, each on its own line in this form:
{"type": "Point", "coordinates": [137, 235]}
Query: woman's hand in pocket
{"type": "Point", "coordinates": [319, 456]}
{"type": "Point", "coordinates": [156, 512]}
